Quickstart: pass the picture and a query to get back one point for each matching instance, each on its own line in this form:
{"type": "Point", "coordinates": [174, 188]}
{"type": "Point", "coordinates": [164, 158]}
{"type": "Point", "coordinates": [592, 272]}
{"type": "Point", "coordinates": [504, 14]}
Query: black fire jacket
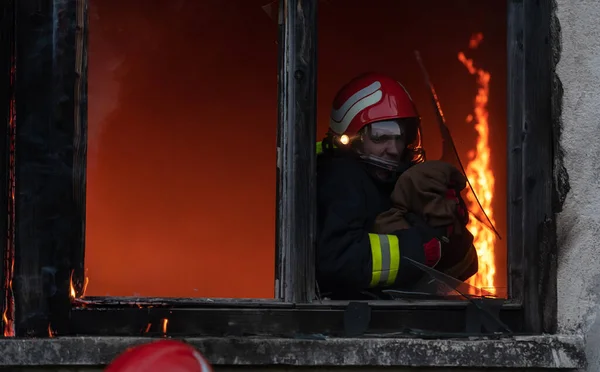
{"type": "Point", "coordinates": [350, 258]}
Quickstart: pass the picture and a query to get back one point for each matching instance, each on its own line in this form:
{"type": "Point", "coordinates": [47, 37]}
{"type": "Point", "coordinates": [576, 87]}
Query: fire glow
{"type": "Point", "coordinates": [480, 175]}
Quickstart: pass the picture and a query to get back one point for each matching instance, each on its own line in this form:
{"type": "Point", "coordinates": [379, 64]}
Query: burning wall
{"type": "Point", "coordinates": [182, 127]}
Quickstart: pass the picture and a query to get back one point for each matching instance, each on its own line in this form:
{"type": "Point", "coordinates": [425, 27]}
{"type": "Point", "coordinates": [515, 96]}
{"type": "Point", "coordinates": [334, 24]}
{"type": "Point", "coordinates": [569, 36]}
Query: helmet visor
{"type": "Point", "coordinates": [400, 139]}
{"type": "Point", "coordinates": [386, 128]}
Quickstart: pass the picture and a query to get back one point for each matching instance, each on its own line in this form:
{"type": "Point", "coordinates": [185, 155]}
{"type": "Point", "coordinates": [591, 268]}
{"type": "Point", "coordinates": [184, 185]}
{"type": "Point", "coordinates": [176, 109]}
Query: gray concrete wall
{"type": "Point", "coordinates": [579, 222]}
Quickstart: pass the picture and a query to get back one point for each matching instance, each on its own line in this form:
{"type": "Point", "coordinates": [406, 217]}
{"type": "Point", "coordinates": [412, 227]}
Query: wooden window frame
{"type": "Point", "coordinates": [50, 169]}
{"type": "Point", "coordinates": [7, 94]}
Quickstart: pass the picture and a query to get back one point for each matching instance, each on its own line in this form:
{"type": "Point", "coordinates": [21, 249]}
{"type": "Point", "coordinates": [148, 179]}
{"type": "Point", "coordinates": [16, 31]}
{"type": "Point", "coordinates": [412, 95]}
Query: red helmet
{"type": "Point", "coordinates": [381, 103]}
{"type": "Point", "coordinates": [369, 98]}
{"type": "Point", "coordinates": [160, 356]}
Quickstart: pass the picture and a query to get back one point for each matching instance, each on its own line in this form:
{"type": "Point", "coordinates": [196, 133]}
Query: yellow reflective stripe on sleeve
{"type": "Point", "coordinates": [376, 259]}
{"type": "Point", "coordinates": [385, 254]}
{"type": "Point", "coordinates": [394, 258]}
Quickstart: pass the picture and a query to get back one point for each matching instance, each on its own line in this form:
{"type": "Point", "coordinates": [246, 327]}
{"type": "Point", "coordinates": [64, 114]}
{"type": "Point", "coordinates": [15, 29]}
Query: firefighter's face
{"type": "Point", "coordinates": [385, 140]}
{"type": "Point", "coordinates": [390, 148]}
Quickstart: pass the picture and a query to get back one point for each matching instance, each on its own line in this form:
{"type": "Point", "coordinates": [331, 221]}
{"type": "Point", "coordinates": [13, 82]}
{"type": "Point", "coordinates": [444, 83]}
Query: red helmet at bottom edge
{"type": "Point", "coordinates": [160, 356]}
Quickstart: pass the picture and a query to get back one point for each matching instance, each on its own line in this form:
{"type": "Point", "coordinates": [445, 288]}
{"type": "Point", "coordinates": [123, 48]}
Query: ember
{"type": "Point", "coordinates": [165, 321]}
{"type": "Point", "coordinates": [51, 332]}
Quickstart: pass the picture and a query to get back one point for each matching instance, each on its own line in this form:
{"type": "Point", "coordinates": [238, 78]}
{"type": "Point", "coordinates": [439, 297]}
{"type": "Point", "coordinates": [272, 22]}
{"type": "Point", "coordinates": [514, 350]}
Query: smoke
{"type": "Point", "coordinates": [103, 86]}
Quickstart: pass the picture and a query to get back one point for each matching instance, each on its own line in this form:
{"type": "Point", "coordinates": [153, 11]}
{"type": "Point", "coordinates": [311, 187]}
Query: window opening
{"type": "Point", "coordinates": [181, 158]}
{"type": "Point", "coordinates": [468, 68]}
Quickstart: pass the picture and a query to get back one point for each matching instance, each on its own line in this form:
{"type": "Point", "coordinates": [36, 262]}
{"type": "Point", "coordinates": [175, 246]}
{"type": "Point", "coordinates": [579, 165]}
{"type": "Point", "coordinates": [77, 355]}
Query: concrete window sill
{"type": "Point", "coordinates": [546, 351]}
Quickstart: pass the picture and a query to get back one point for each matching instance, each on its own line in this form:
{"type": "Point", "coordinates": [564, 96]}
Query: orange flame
{"type": "Point", "coordinates": [85, 285]}
{"type": "Point", "coordinates": [165, 321]}
{"type": "Point", "coordinates": [8, 325]}
{"type": "Point", "coordinates": [72, 291]}
{"type": "Point", "coordinates": [8, 313]}
{"type": "Point", "coordinates": [480, 175]}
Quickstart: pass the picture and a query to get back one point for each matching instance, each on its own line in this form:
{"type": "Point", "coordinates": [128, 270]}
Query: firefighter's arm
{"type": "Point", "coordinates": [349, 255]}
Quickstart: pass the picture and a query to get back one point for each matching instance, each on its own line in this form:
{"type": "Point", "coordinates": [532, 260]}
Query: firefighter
{"type": "Point", "coordinates": [374, 135]}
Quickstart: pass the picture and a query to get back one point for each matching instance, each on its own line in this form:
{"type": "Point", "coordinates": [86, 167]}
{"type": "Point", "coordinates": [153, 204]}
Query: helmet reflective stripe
{"type": "Point", "coordinates": [342, 117]}
{"type": "Point", "coordinates": [340, 127]}
{"type": "Point", "coordinates": [339, 114]}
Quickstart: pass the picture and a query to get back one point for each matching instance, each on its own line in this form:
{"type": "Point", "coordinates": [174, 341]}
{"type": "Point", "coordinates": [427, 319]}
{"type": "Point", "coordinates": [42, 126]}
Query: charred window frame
{"type": "Point", "coordinates": [50, 197]}
{"type": "Point", "coordinates": [7, 112]}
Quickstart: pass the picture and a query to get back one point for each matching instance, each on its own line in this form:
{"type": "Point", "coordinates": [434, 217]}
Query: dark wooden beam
{"type": "Point", "coordinates": [7, 113]}
{"type": "Point", "coordinates": [80, 142]}
{"type": "Point", "coordinates": [515, 73]}
{"type": "Point", "coordinates": [50, 162]}
{"type": "Point", "coordinates": [296, 209]}
{"type": "Point", "coordinates": [170, 302]}
{"type": "Point", "coordinates": [538, 217]}
{"type": "Point", "coordinates": [312, 323]}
